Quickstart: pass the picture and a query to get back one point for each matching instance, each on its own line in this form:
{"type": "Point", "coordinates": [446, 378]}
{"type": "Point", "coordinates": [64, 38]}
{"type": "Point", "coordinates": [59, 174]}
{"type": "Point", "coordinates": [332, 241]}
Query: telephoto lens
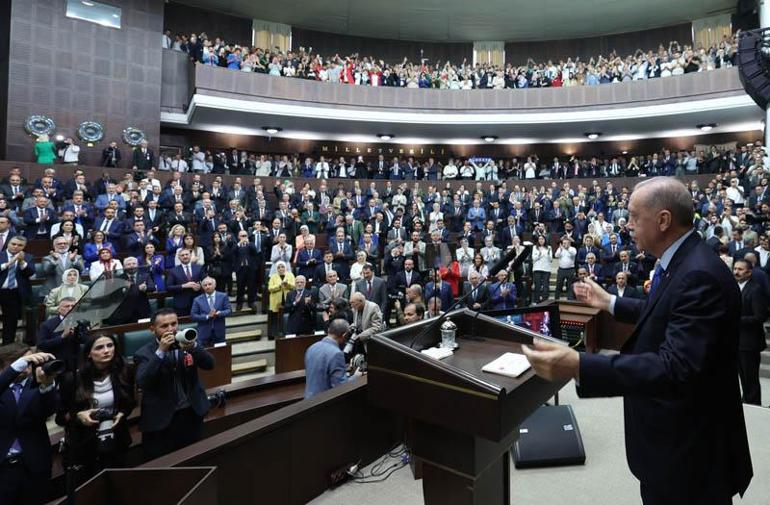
{"type": "Point", "coordinates": [186, 336]}
{"type": "Point", "coordinates": [53, 367]}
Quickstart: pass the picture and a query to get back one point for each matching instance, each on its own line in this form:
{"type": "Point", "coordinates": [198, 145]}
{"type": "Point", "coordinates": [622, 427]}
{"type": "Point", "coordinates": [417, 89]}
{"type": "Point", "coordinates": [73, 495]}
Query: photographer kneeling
{"type": "Point", "coordinates": [95, 403]}
{"type": "Point", "coordinates": [28, 398]}
{"type": "Point", "coordinates": [325, 362]}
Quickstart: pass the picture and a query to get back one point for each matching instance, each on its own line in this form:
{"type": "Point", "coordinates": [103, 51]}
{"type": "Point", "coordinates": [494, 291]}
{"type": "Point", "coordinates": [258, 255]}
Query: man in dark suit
{"type": "Point", "coordinates": [110, 225]}
{"type": "Point", "coordinates": [343, 254]}
{"type": "Point", "coordinates": [308, 258]}
{"type": "Point", "coordinates": [685, 433]}
{"type": "Point", "coordinates": [751, 341]}
{"type": "Point", "coordinates": [135, 304]}
{"type": "Point", "coordinates": [143, 157]}
{"type": "Point", "coordinates": [39, 220]}
{"type": "Point", "coordinates": [714, 242]}
{"type": "Point", "coordinates": [480, 298]}
{"type": "Point", "coordinates": [183, 281]}
{"type": "Point", "coordinates": [64, 346]}
{"type": "Point", "coordinates": [173, 400]}
{"type": "Point", "coordinates": [373, 288]}
{"type": "Point", "coordinates": [135, 241]}
{"type": "Point", "coordinates": [630, 268]}
{"type": "Point", "coordinates": [209, 310]}
{"type": "Point", "coordinates": [441, 289]}
{"type": "Point", "coordinates": [245, 264]}
{"type": "Point", "coordinates": [16, 268]}
{"type": "Point", "coordinates": [408, 277]}
{"type": "Point", "coordinates": [177, 216]}
{"type": "Point", "coordinates": [300, 306]}
{"type": "Point", "coordinates": [27, 400]}
{"type": "Point", "coordinates": [622, 289]}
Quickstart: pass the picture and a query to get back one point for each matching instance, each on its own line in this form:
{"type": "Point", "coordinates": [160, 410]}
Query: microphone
{"type": "Point", "coordinates": [502, 262]}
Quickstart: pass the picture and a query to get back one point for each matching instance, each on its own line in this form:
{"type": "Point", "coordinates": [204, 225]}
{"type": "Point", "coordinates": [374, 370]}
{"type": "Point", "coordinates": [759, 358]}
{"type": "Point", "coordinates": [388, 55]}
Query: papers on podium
{"type": "Point", "coordinates": [509, 364]}
{"type": "Point", "coordinates": [438, 352]}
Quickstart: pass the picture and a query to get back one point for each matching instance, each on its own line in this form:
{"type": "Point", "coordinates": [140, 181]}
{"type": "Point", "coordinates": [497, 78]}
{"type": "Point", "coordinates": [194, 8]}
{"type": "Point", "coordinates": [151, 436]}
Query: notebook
{"type": "Point", "coordinates": [509, 364]}
{"type": "Point", "coordinates": [438, 352]}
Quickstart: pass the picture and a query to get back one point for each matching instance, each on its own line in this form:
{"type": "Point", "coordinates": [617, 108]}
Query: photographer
{"type": "Point", "coordinates": [324, 361]}
{"type": "Point", "coordinates": [27, 400]}
{"type": "Point", "coordinates": [339, 308]}
{"type": "Point", "coordinates": [173, 400]}
{"type": "Point", "coordinates": [95, 403]}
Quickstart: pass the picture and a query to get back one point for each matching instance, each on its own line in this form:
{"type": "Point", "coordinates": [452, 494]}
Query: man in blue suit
{"type": "Point", "coordinates": [685, 433]}
{"type": "Point", "coordinates": [103, 200]}
{"type": "Point", "coordinates": [39, 219]}
{"type": "Point", "coordinates": [444, 292]}
{"type": "Point", "coordinates": [209, 310]}
{"type": "Point", "coordinates": [110, 225]}
{"type": "Point", "coordinates": [183, 281]}
{"type": "Point", "coordinates": [308, 258]}
{"type": "Point", "coordinates": [27, 400]}
{"type": "Point", "coordinates": [324, 361]}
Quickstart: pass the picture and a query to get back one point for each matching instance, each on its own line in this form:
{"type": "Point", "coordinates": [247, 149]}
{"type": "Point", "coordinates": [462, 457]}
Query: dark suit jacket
{"type": "Point", "coordinates": [22, 276]}
{"type": "Point", "coordinates": [114, 232]}
{"type": "Point", "coordinates": [305, 266]}
{"type": "Point", "coordinates": [143, 161]}
{"type": "Point", "coordinates": [685, 431]}
{"type": "Point", "coordinates": [482, 295]}
{"type": "Point", "coordinates": [753, 316]}
{"type": "Point", "coordinates": [155, 377]}
{"type": "Point", "coordinates": [444, 293]}
{"type": "Point", "coordinates": [401, 283]}
{"type": "Point", "coordinates": [629, 292]}
{"type": "Point", "coordinates": [379, 291]}
{"type": "Point", "coordinates": [135, 304]}
{"type": "Point", "coordinates": [31, 215]}
{"type": "Point", "coordinates": [301, 318]}
{"type": "Point", "coordinates": [66, 349]}
{"type": "Point", "coordinates": [26, 420]}
{"type": "Point", "coordinates": [183, 297]}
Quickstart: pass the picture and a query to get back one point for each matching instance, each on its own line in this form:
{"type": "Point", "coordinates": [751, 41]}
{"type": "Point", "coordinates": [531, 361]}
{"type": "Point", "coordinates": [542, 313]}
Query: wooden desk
{"type": "Point", "coordinates": [223, 367]}
{"type": "Point", "coordinates": [290, 352]}
{"type": "Point", "coordinates": [600, 329]}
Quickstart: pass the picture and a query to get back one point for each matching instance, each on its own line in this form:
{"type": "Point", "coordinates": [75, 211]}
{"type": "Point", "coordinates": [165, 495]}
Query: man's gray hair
{"type": "Point", "coordinates": [668, 193]}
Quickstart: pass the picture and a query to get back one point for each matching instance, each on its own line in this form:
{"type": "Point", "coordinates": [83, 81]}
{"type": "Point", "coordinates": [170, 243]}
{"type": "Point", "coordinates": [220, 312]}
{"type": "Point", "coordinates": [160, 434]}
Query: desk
{"type": "Point", "coordinates": [290, 352]}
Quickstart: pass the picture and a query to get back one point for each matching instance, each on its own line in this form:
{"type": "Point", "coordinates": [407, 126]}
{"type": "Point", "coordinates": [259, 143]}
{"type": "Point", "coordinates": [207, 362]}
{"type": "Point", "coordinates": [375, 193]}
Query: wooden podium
{"type": "Point", "coordinates": [464, 421]}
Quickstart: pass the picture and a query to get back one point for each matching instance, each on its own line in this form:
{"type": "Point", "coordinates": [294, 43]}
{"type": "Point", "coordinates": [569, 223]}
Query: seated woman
{"type": "Point", "coordinates": [154, 264]}
{"type": "Point", "coordinates": [95, 405]}
{"type": "Point", "coordinates": [92, 248]}
{"type": "Point", "coordinates": [190, 243]}
{"type": "Point", "coordinates": [107, 265]}
{"type": "Point", "coordinates": [70, 288]}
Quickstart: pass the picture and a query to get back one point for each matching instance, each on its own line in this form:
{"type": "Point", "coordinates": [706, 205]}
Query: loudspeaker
{"type": "Point", "coordinates": [751, 69]}
{"type": "Point", "coordinates": [549, 437]}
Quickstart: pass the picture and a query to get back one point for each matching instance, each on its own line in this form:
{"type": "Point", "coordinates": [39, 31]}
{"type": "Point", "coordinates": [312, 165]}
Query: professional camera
{"type": "Point", "coordinates": [218, 399]}
{"type": "Point", "coordinates": [350, 339]}
{"type": "Point", "coordinates": [187, 336]}
{"type": "Point", "coordinates": [396, 296]}
{"type": "Point", "coordinates": [104, 435]}
{"type": "Point", "coordinates": [53, 367]}
{"type": "Point", "coordinates": [358, 362]}
{"type": "Point", "coordinates": [101, 415]}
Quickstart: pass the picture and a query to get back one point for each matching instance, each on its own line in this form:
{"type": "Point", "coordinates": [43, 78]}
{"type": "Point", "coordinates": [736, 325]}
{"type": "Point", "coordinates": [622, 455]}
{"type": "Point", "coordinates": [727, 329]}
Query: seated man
{"type": "Point", "coordinates": [324, 361]}
{"type": "Point", "coordinates": [621, 289]}
{"type": "Point", "coordinates": [414, 312]}
{"type": "Point", "coordinates": [64, 346]}
{"type": "Point", "coordinates": [209, 310]}
{"type": "Point", "coordinates": [300, 308]}
{"type": "Point", "coordinates": [331, 290]}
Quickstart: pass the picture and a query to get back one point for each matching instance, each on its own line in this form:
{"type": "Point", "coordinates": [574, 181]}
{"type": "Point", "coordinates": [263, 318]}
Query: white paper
{"type": "Point", "coordinates": [509, 364]}
{"type": "Point", "coordinates": [437, 352]}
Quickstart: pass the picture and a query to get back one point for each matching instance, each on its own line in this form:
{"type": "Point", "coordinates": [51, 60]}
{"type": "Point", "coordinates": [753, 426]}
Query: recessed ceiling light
{"type": "Point", "coordinates": [115, 16]}
{"type": "Point", "coordinates": [625, 152]}
{"type": "Point", "coordinates": [592, 135]}
{"type": "Point", "coordinates": [59, 138]}
{"type": "Point", "coordinates": [706, 127]}
{"type": "Point", "coordinates": [87, 4]}
{"type": "Point", "coordinates": [489, 138]}
{"type": "Point", "coordinates": [272, 130]}
{"type": "Point", "coordinates": [385, 136]}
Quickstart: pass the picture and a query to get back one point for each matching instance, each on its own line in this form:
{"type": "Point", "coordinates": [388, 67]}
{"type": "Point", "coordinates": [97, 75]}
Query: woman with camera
{"type": "Point", "coordinates": [95, 404]}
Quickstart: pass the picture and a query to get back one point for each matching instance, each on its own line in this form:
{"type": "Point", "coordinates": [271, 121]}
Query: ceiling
{"type": "Point", "coordinates": [463, 20]}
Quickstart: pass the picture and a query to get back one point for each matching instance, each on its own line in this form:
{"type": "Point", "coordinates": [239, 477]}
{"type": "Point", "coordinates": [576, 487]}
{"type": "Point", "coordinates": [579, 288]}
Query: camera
{"type": "Point", "coordinates": [186, 336]}
{"type": "Point", "coordinates": [350, 338]}
{"type": "Point", "coordinates": [396, 296]}
{"type": "Point", "coordinates": [218, 399]}
{"type": "Point", "coordinates": [101, 415]}
{"type": "Point", "coordinates": [53, 367]}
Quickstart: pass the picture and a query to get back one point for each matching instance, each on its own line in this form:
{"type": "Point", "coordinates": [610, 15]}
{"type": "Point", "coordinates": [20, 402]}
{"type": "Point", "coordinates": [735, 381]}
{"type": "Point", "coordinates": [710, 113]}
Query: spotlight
{"type": "Point", "coordinates": [706, 127]}
{"type": "Point", "coordinates": [625, 152]}
{"type": "Point", "coordinates": [385, 136]}
{"type": "Point", "coordinates": [592, 135]}
{"type": "Point", "coordinates": [59, 138]}
{"type": "Point", "coordinates": [272, 130]}
{"type": "Point", "coordinates": [489, 138]}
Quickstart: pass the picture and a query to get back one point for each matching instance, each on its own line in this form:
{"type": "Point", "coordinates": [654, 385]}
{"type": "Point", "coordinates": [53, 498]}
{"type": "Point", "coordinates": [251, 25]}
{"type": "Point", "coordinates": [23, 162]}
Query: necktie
{"type": "Point", "coordinates": [657, 277]}
{"type": "Point", "coordinates": [188, 272]}
{"type": "Point", "coordinates": [211, 301]}
{"type": "Point", "coordinates": [11, 273]}
{"type": "Point", "coordinates": [369, 290]}
{"type": "Point", "coordinates": [17, 388]}
{"type": "Point", "coordinates": [258, 241]}
{"type": "Point", "coordinates": [2, 241]}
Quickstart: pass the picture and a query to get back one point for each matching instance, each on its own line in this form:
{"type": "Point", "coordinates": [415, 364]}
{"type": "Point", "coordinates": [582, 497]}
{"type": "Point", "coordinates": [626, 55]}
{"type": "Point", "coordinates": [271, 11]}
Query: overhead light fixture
{"type": "Point", "coordinates": [625, 152]}
{"type": "Point", "coordinates": [87, 4]}
{"type": "Point", "coordinates": [385, 136]}
{"type": "Point", "coordinates": [272, 130]}
{"type": "Point", "coordinates": [706, 127]}
{"type": "Point", "coordinates": [59, 138]}
{"type": "Point", "coordinates": [489, 138]}
{"type": "Point", "coordinates": [592, 135]}
{"type": "Point", "coordinates": [116, 16]}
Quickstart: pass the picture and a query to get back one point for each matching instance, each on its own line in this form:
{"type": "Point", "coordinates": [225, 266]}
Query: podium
{"type": "Point", "coordinates": [463, 420]}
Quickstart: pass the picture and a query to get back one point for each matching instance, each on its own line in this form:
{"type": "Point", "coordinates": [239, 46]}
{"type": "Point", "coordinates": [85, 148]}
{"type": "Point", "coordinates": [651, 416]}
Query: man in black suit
{"type": "Point", "coordinates": [715, 241]}
{"type": "Point", "coordinates": [629, 267]}
{"type": "Point", "coordinates": [173, 400]}
{"type": "Point", "coordinates": [63, 346]}
{"type": "Point", "coordinates": [622, 289]}
{"type": "Point", "coordinates": [480, 298]}
{"type": "Point", "coordinates": [143, 157]}
{"type": "Point", "coordinates": [27, 400]}
{"type": "Point", "coordinates": [246, 263]}
{"type": "Point", "coordinates": [751, 341]}
{"type": "Point", "coordinates": [184, 282]}
{"type": "Point", "coordinates": [177, 216]}
{"type": "Point", "coordinates": [408, 277]}
{"type": "Point", "coordinates": [300, 306]}
{"type": "Point", "coordinates": [135, 304]}
{"type": "Point", "coordinates": [16, 268]}
{"type": "Point", "coordinates": [685, 433]}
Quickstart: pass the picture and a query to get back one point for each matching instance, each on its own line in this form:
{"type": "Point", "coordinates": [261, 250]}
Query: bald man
{"type": "Point", "coordinates": [685, 433]}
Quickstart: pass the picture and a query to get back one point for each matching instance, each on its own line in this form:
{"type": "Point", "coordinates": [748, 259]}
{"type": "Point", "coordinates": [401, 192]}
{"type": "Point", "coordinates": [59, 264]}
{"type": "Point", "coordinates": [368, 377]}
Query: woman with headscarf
{"type": "Point", "coordinates": [70, 288]}
{"type": "Point", "coordinates": [106, 265]}
{"type": "Point", "coordinates": [279, 285]}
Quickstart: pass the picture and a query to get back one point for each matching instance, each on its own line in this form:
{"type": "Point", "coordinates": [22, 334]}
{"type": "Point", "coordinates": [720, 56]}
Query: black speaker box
{"type": "Point", "coordinates": [549, 437]}
{"type": "Point", "coordinates": [751, 70]}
